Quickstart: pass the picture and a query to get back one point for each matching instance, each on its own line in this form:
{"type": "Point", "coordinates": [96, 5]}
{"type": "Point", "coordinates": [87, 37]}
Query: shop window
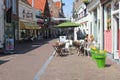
{"type": "Point", "coordinates": [85, 12]}
{"type": "Point", "coordinates": [14, 6]}
{"type": "Point", "coordinates": [8, 4]}
{"type": "Point", "coordinates": [108, 16]}
{"type": "Point", "coordinates": [95, 16]}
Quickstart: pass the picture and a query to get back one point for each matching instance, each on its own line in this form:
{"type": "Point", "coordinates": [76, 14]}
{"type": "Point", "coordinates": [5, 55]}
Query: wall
{"type": "Point", "coordinates": [1, 22]}
{"type": "Point", "coordinates": [119, 42]}
{"type": "Point", "coordinates": [108, 41]}
{"type": "Point", "coordinates": [27, 8]}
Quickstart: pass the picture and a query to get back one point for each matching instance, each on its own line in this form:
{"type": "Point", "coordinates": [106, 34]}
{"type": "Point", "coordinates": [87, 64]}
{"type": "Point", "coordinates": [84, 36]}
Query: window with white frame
{"type": "Point", "coordinates": [14, 6]}
{"type": "Point", "coordinates": [8, 4]}
{"type": "Point", "coordinates": [108, 17]}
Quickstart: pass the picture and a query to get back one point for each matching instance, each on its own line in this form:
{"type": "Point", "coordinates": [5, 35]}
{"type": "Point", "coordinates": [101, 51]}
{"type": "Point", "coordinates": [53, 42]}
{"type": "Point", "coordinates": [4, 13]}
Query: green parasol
{"type": "Point", "coordinates": [67, 25]}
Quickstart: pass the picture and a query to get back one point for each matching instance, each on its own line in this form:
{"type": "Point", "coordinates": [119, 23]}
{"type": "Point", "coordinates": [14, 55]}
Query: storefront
{"type": "Point", "coordinates": [28, 29]}
{"type": "Point", "coordinates": [115, 29]}
{"type": "Point", "coordinates": [107, 28]}
{"type": "Point", "coordinates": [95, 22]}
{"type": "Point", "coordinates": [111, 27]}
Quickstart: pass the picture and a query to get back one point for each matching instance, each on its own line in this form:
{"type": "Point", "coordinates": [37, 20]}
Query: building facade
{"type": "Point", "coordinates": [10, 24]}
{"type": "Point", "coordinates": [42, 5]}
{"type": "Point", "coordinates": [95, 21]}
{"type": "Point", "coordinates": [28, 26]}
{"type": "Point", "coordinates": [2, 8]}
{"type": "Point", "coordinates": [80, 15]}
{"type": "Point", "coordinates": [103, 23]}
{"type": "Point", "coordinates": [107, 22]}
{"type": "Point", "coordinates": [111, 27]}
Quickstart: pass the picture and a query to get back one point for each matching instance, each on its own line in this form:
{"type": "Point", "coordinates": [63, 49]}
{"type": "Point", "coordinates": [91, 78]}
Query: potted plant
{"type": "Point", "coordinates": [100, 57]}
{"type": "Point", "coordinates": [93, 51]}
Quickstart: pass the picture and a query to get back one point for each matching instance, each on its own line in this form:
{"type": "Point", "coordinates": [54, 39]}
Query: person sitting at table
{"type": "Point", "coordinates": [86, 38]}
{"type": "Point", "coordinates": [91, 40]}
{"type": "Point", "coordinates": [87, 45]}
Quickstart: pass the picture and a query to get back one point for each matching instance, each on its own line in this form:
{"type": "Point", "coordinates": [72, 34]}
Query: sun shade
{"type": "Point", "coordinates": [67, 25]}
{"type": "Point", "coordinates": [29, 25]}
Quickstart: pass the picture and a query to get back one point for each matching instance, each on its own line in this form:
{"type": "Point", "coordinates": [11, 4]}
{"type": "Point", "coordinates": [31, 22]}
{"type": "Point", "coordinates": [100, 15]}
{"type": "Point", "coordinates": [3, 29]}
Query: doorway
{"type": "Point", "coordinates": [116, 36]}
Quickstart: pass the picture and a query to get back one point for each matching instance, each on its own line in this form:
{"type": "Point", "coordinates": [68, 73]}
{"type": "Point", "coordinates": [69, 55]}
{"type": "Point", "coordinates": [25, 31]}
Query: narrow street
{"type": "Point", "coordinates": [31, 31]}
{"type": "Point", "coordinates": [25, 64]}
{"type": "Point", "coordinates": [31, 63]}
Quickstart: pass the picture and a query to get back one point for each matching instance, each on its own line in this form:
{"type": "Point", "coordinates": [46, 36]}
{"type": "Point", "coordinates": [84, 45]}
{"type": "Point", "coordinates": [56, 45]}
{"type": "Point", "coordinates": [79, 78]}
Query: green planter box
{"type": "Point", "coordinates": [93, 56]}
{"type": "Point", "coordinates": [100, 60]}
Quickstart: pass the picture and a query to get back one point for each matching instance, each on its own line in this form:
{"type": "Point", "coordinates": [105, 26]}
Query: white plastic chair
{"type": "Point", "coordinates": [70, 42]}
{"type": "Point", "coordinates": [67, 46]}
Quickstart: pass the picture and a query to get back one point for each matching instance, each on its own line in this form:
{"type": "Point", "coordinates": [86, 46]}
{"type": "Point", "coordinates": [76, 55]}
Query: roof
{"type": "Point", "coordinates": [58, 4]}
{"type": "Point", "coordinates": [39, 4]}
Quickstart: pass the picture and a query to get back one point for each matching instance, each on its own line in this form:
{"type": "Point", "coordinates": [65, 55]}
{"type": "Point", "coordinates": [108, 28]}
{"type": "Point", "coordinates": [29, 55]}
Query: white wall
{"type": "Point", "coordinates": [23, 6]}
{"type": "Point", "coordinates": [1, 21]}
{"type": "Point", "coordinates": [82, 20]}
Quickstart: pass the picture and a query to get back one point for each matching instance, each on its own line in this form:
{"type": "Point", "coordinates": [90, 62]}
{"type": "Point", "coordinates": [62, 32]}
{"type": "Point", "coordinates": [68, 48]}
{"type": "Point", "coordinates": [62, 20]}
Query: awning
{"type": "Point", "coordinates": [67, 25]}
{"type": "Point", "coordinates": [60, 19]}
{"type": "Point", "coordinates": [35, 26]}
{"type": "Point", "coordinates": [29, 25]}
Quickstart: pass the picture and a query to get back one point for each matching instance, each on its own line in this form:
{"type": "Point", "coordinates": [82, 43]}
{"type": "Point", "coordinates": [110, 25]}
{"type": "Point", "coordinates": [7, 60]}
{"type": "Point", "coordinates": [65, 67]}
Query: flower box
{"type": "Point", "coordinates": [99, 56]}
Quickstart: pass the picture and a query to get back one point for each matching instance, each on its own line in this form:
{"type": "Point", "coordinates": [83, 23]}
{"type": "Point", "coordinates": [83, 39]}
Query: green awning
{"type": "Point", "coordinates": [67, 25]}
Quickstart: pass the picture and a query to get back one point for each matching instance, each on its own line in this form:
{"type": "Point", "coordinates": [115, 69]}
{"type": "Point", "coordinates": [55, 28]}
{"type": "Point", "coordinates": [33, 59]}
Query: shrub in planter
{"type": "Point", "coordinates": [93, 51]}
{"type": "Point", "coordinates": [100, 58]}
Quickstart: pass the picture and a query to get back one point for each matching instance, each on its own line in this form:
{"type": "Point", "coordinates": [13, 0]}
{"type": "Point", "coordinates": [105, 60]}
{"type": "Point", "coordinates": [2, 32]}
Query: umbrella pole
{"type": "Point", "coordinates": [75, 34]}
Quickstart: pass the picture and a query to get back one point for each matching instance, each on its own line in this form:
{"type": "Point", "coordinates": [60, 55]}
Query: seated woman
{"type": "Point", "coordinates": [86, 38]}
{"type": "Point", "coordinates": [91, 40]}
{"type": "Point", "coordinates": [87, 45]}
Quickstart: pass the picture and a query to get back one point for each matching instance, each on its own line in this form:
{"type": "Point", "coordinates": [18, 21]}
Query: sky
{"type": "Point", "coordinates": [67, 9]}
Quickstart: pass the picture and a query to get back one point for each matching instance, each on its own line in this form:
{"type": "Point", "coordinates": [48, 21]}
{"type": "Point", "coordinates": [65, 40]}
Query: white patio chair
{"type": "Point", "coordinates": [67, 47]}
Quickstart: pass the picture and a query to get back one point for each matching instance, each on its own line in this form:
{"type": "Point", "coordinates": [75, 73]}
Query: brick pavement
{"type": "Point", "coordinates": [74, 67]}
{"type": "Point", "coordinates": [27, 61]}
{"type": "Point", "coordinates": [70, 67]}
{"type": "Point", "coordinates": [24, 47]}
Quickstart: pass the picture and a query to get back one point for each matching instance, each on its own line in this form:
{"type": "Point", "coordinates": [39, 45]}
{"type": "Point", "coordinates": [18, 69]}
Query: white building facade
{"type": "Point", "coordinates": [27, 21]}
{"type": "Point", "coordinates": [81, 17]}
{"type": "Point", "coordinates": [2, 7]}
{"type": "Point", "coordinates": [96, 21]}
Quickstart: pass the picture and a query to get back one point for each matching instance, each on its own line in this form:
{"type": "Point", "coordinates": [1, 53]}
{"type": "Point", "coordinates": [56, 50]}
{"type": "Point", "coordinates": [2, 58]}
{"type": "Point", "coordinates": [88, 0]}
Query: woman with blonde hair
{"type": "Point", "coordinates": [91, 38]}
{"type": "Point", "coordinates": [88, 44]}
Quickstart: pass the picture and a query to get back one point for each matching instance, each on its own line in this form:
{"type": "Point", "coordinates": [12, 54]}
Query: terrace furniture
{"type": "Point", "coordinates": [59, 48]}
